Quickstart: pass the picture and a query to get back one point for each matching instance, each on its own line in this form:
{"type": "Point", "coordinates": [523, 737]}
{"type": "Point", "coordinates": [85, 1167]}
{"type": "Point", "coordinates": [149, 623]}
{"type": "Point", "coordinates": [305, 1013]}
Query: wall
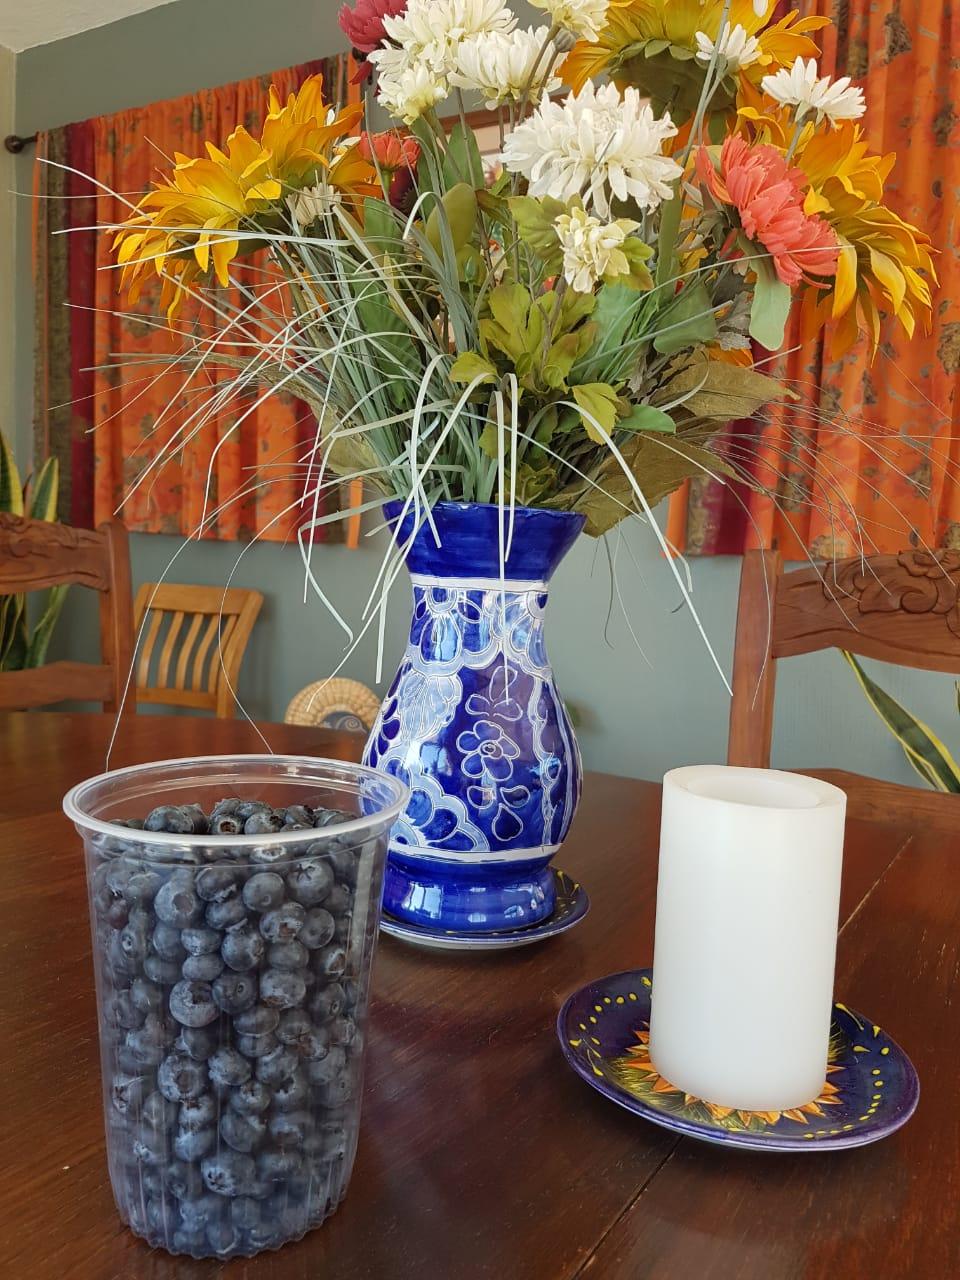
{"type": "Point", "coordinates": [640, 715]}
{"type": "Point", "coordinates": [8, 240]}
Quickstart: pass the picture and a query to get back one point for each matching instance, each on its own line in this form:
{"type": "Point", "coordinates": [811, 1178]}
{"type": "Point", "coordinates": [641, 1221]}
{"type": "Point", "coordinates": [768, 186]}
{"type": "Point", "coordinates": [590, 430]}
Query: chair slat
{"type": "Point", "coordinates": [147, 647]}
{"type": "Point", "coordinates": [166, 653]}
{"type": "Point", "coordinates": [203, 648]}
{"type": "Point", "coordinates": [186, 648]}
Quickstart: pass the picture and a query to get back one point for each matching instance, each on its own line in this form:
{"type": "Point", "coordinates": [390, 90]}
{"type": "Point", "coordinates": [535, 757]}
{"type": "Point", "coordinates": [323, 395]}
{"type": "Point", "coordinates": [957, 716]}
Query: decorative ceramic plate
{"type": "Point", "coordinates": [572, 905]}
{"type": "Point", "coordinates": [871, 1087]}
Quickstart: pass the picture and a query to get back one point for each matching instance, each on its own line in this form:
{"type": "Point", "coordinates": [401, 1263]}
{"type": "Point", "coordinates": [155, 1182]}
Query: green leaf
{"type": "Point", "coordinates": [597, 400]}
{"type": "Point", "coordinates": [687, 322]}
{"type": "Point", "coordinates": [40, 640]}
{"type": "Point", "coordinates": [669, 229]}
{"type": "Point", "coordinates": [459, 209]}
{"type": "Point", "coordinates": [647, 417]}
{"type": "Point", "coordinates": [723, 392]}
{"type": "Point", "coordinates": [923, 749]}
{"type": "Point", "coordinates": [616, 315]}
{"type": "Point", "coordinates": [653, 47]}
{"type": "Point", "coordinates": [462, 161]}
{"type": "Point", "coordinates": [469, 365]}
{"type": "Point", "coordinates": [771, 307]}
{"type": "Point", "coordinates": [535, 220]}
{"type": "Point", "coordinates": [11, 488]}
{"type": "Point", "coordinates": [637, 253]}
{"type": "Point", "coordinates": [43, 491]}
{"type": "Point", "coordinates": [381, 229]}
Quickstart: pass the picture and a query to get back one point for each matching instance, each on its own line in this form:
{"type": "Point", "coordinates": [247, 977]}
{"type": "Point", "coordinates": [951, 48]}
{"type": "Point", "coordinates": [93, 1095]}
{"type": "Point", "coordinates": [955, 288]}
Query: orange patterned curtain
{"type": "Point", "coordinates": [127, 430]}
{"type": "Point", "coordinates": [892, 470]}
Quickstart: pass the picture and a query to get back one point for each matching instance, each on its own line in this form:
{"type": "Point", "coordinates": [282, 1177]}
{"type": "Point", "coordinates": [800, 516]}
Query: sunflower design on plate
{"type": "Point", "coordinates": [870, 1089]}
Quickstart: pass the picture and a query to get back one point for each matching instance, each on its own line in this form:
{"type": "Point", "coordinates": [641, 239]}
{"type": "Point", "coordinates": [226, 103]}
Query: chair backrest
{"type": "Point", "coordinates": [35, 554]}
{"type": "Point", "coordinates": [901, 608]}
{"type": "Point", "coordinates": [191, 644]}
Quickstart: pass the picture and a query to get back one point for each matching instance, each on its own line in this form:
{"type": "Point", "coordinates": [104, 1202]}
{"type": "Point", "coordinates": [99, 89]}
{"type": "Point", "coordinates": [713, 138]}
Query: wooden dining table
{"type": "Point", "coordinates": [481, 1153]}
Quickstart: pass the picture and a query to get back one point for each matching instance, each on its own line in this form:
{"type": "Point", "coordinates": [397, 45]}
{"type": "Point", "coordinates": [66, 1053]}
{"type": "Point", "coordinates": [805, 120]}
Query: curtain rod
{"type": "Point", "coordinates": [15, 144]}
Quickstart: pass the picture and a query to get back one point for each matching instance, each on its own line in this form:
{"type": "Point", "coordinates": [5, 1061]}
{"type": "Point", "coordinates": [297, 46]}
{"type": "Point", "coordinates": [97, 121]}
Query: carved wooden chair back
{"type": "Point", "coordinates": [901, 608]}
{"type": "Point", "coordinates": [192, 642]}
{"type": "Point", "coordinates": [36, 554]}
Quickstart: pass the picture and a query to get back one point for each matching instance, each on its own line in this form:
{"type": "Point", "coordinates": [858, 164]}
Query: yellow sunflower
{"type": "Point", "coordinates": [652, 44]}
{"type": "Point", "coordinates": [184, 224]}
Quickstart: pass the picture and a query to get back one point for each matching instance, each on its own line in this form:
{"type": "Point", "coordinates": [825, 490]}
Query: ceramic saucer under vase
{"type": "Point", "coordinates": [870, 1091]}
{"type": "Point", "coordinates": [572, 905]}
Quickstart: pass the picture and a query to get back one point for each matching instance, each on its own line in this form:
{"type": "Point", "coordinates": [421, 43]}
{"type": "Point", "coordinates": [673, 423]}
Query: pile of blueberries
{"type": "Point", "coordinates": [230, 1000]}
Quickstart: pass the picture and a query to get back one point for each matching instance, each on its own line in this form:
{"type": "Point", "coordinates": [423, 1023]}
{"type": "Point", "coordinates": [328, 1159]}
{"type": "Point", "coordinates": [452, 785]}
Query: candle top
{"type": "Point", "coordinates": [754, 788]}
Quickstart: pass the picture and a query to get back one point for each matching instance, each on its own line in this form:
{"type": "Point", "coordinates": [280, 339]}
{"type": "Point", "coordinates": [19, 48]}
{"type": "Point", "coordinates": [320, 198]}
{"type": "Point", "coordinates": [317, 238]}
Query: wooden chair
{"type": "Point", "coordinates": [201, 670]}
{"type": "Point", "coordinates": [36, 554]}
{"type": "Point", "coordinates": [899, 608]}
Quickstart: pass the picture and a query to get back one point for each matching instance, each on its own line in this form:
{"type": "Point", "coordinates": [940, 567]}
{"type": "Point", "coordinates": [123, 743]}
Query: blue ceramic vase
{"type": "Point", "coordinates": [474, 724]}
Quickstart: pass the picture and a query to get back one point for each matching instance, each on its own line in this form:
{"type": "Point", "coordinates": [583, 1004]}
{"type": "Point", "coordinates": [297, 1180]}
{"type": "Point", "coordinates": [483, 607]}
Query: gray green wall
{"type": "Point", "coordinates": [641, 713]}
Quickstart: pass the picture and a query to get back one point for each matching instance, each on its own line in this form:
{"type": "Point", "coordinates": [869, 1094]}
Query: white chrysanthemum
{"type": "Point", "coordinates": [582, 18]}
{"type": "Point", "coordinates": [501, 65]}
{"type": "Point", "coordinates": [312, 203]}
{"type": "Point", "coordinates": [434, 29]}
{"type": "Point", "coordinates": [735, 47]}
{"type": "Point", "coordinates": [799, 86]}
{"type": "Point", "coordinates": [405, 88]}
{"type": "Point", "coordinates": [592, 250]}
{"type": "Point", "coordinates": [595, 145]}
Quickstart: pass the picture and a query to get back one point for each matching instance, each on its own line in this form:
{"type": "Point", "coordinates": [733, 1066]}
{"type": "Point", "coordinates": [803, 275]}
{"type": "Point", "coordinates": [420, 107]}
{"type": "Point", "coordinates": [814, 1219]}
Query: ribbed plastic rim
{"type": "Point", "coordinates": [338, 772]}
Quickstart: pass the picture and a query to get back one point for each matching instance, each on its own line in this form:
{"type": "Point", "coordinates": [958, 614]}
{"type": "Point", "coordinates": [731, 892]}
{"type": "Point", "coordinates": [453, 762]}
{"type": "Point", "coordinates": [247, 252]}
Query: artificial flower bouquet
{"type": "Point", "coordinates": [574, 331]}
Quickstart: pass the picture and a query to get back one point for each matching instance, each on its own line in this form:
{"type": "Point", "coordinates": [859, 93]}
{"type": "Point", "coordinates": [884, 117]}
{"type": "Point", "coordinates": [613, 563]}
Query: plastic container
{"type": "Point", "coordinates": [232, 974]}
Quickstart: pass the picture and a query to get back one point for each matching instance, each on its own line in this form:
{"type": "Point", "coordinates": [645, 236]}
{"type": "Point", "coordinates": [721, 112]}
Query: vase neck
{"type": "Point", "coordinates": [455, 581]}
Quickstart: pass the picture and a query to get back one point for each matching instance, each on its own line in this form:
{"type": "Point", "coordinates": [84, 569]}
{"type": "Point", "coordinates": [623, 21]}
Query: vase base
{"type": "Point", "coordinates": [467, 898]}
{"type": "Point", "coordinates": [572, 904]}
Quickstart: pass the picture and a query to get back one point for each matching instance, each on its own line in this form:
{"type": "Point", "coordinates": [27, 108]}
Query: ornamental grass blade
{"type": "Point", "coordinates": [11, 488]}
{"type": "Point", "coordinates": [927, 755]}
{"type": "Point", "coordinates": [44, 491]}
{"type": "Point", "coordinates": [36, 653]}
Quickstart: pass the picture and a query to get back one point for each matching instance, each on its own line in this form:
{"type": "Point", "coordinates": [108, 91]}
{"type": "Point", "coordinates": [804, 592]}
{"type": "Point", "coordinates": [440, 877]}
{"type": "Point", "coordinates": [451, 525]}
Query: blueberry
{"type": "Point", "coordinates": [330, 817]}
{"type": "Point", "coordinates": [235, 992]}
{"type": "Point", "coordinates": [194, 1144]}
{"type": "Point", "coordinates": [229, 805]}
{"type": "Point", "coordinates": [277, 1166]}
{"type": "Point", "coordinates": [198, 1113]}
{"type": "Point", "coordinates": [167, 943]}
{"type": "Point", "coordinates": [180, 1078]}
{"type": "Point", "coordinates": [318, 929]}
{"type": "Point", "coordinates": [242, 1132]}
{"type": "Point", "coordinates": [257, 1021]}
{"type": "Point", "coordinates": [287, 955]}
{"type": "Point", "coordinates": [263, 822]}
{"type": "Point", "coordinates": [251, 1098]}
{"type": "Point", "coordinates": [190, 1241]}
{"type": "Point", "coordinates": [223, 1237]}
{"type": "Point", "coordinates": [293, 1024]}
{"type": "Point", "coordinates": [263, 891]}
{"type": "Point", "coordinates": [198, 1042]}
{"type": "Point", "coordinates": [161, 1216]}
{"type": "Point", "coordinates": [183, 1180]}
{"type": "Point", "coordinates": [270, 855]}
{"type": "Point", "coordinates": [278, 1066]}
{"type": "Point", "coordinates": [341, 933]}
{"type": "Point", "coordinates": [336, 1091]}
{"type": "Point", "coordinates": [244, 808]}
{"type": "Point", "coordinates": [342, 1031]}
{"type": "Point", "coordinates": [228, 1067]}
{"type": "Point", "coordinates": [257, 1046]}
{"type": "Point", "coordinates": [150, 1042]}
{"type": "Point", "coordinates": [283, 924]}
{"type": "Point", "coordinates": [229, 1173]}
{"type": "Point", "coordinates": [176, 902]}
{"type": "Point", "coordinates": [192, 1004]}
{"type": "Point", "coordinates": [117, 913]}
{"type": "Point", "coordinates": [142, 888]}
{"type": "Point", "coordinates": [245, 1212]}
{"type": "Point", "coordinates": [224, 915]}
{"type": "Point", "coordinates": [225, 824]}
{"type": "Point", "coordinates": [330, 961]}
{"type": "Point", "coordinates": [165, 972]}
{"type": "Point", "coordinates": [202, 968]}
{"type": "Point", "coordinates": [339, 900]}
{"type": "Point", "coordinates": [123, 1011]}
{"type": "Point", "coordinates": [333, 1139]}
{"type": "Point", "coordinates": [310, 882]}
{"type": "Point", "coordinates": [327, 1002]}
{"type": "Point", "coordinates": [216, 884]}
{"type": "Point", "coordinates": [200, 942]}
{"type": "Point", "coordinates": [282, 988]}
{"type": "Point", "coordinates": [118, 877]}
{"type": "Point", "coordinates": [289, 1128]}
{"type": "Point", "coordinates": [291, 1094]}
{"type": "Point", "coordinates": [119, 963]}
{"type": "Point", "coordinates": [158, 1112]}
{"type": "Point", "coordinates": [243, 948]}
{"type": "Point", "coordinates": [169, 817]}
{"type": "Point", "coordinates": [150, 1149]}
{"type": "Point", "coordinates": [126, 1093]}
{"type": "Point", "coordinates": [344, 863]}
{"type": "Point", "coordinates": [323, 1070]}
{"type": "Point", "coordinates": [313, 1044]}
{"type": "Point", "coordinates": [197, 817]}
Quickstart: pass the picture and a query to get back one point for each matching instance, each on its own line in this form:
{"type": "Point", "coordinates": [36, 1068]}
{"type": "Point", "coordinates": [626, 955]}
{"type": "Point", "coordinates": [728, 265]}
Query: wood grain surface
{"type": "Point", "coordinates": [481, 1154]}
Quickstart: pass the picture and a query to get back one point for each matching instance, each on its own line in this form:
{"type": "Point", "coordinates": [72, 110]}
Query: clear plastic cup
{"type": "Point", "coordinates": [232, 975]}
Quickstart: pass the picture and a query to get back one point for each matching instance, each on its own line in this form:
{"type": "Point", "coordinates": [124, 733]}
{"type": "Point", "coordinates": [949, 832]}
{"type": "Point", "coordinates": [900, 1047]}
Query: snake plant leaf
{"type": "Point", "coordinates": [44, 491]}
{"type": "Point", "coordinates": [40, 639]}
{"type": "Point", "coordinates": [925, 752]}
{"type": "Point", "coordinates": [11, 487]}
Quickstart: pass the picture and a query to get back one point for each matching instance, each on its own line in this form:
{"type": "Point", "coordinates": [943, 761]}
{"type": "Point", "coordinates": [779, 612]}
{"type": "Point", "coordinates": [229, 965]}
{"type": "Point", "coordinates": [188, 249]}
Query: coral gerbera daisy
{"type": "Point", "coordinates": [768, 196]}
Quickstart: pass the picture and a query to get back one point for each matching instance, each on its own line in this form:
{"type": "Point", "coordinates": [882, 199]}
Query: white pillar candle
{"type": "Point", "coordinates": [746, 936]}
